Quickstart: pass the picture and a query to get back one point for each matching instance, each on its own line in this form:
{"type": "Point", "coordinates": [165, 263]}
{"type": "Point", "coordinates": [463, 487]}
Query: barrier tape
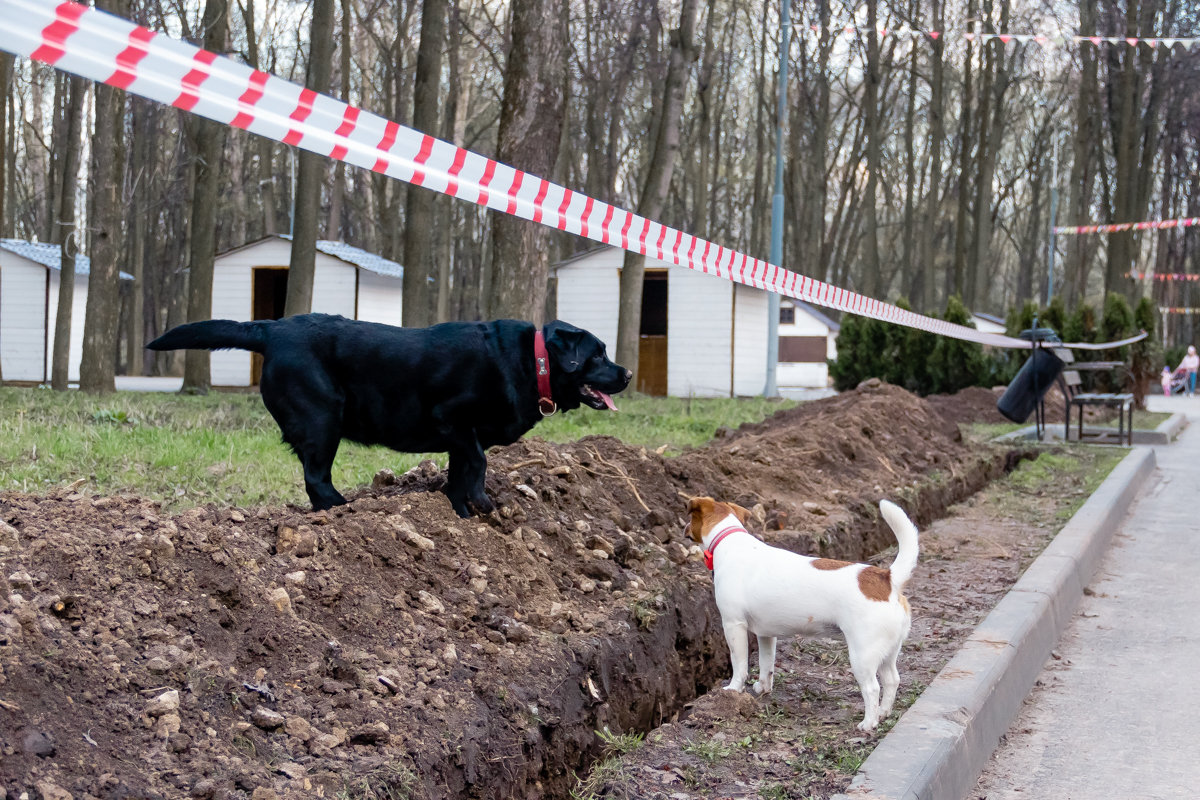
{"type": "Point", "coordinates": [1186, 222]}
{"type": "Point", "coordinates": [105, 48]}
{"type": "Point", "coordinates": [1168, 310]}
{"type": "Point", "coordinates": [1162, 276]}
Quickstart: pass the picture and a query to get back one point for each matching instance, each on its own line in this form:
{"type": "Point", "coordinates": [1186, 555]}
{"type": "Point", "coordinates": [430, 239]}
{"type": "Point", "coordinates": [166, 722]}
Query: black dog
{"type": "Point", "coordinates": [458, 387]}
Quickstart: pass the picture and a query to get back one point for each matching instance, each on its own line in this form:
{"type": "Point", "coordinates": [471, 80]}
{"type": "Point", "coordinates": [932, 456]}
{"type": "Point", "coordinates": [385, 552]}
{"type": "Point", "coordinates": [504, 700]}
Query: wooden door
{"type": "Point", "coordinates": [268, 296]}
{"type": "Point", "coordinates": [652, 346]}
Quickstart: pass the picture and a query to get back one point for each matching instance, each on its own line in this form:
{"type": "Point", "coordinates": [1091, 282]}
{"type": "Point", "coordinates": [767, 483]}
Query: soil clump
{"type": "Point", "coordinates": [389, 649]}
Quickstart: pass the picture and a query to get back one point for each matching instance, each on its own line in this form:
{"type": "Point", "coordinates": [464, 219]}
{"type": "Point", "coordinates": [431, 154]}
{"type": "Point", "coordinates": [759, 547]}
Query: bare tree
{"type": "Point", "coordinates": [102, 321]}
{"type": "Point", "coordinates": [532, 113]}
{"type": "Point", "coordinates": [333, 230]}
{"type": "Point", "coordinates": [266, 148]}
{"type": "Point", "coordinates": [656, 184]}
{"type": "Point", "coordinates": [929, 250]}
{"type": "Point", "coordinates": [64, 226]}
{"type": "Point", "coordinates": [419, 299]}
{"type": "Point", "coordinates": [310, 173]}
{"type": "Point", "coordinates": [871, 282]}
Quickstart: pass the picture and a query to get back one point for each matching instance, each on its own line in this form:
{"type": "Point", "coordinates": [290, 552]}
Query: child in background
{"type": "Point", "coordinates": [1166, 381]}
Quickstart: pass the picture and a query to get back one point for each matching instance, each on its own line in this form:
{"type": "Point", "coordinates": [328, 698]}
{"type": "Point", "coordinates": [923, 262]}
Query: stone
{"type": "Point", "coordinates": [165, 703]}
{"type": "Point", "coordinates": [385, 477]}
{"type": "Point", "coordinates": [813, 508]}
{"type": "Point", "coordinates": [179, 742]}
{"type": "Point", "coordinates": [298, 728]}
{"type": "Point", "coordinates": [267, 719]}
{"type": "Point", "coordinates": [306, 541]}
{"type": "Point", "coordinates": [583, 527]}
{"type": "Point", "coordinates": [479, 585]}
{"type": "Point", "coordinates": [450, 655]}
{"type": "Point", "coordinates": [9, 536]}
{"type": "Point", "coordinates": [264, 793]}
{"type": "Point", "coordinates": [279, 598]}
{"type": "Point", "coordinates": [50, 791]}
{"type": "Point", "coordinates": [295, 578]}
{"type": "Point", "coordinates": [162, 548]}
{"type": "Point", "coordinates": [430, 604]}
{"type": "Point", "coordinates": [237, 516]}
{"type": "Point", "coordinates": [158, 665]}
{"type": "Point", "coordinates": [292, 770]}
{"type": "Point", "coordinates": [168, 725]}
{"type": "Point", "coordinates": [204, 789]}
{"type": "Point", "coordinates": [420, 542]}
{"type": "Point", "coordinates": [600, 543]}
{"type": "Point", "coordinates": [327, 740]}
{"type": "Point", "coordinates": [36, 743]}
{"type": "Point", "coordinates": [587, 586]}
{"type": "Point", "coordinates": [677, 552]}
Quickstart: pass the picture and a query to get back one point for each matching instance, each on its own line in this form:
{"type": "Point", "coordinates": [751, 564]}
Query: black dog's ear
{"type": "Point", "coordinates": [568, 345]}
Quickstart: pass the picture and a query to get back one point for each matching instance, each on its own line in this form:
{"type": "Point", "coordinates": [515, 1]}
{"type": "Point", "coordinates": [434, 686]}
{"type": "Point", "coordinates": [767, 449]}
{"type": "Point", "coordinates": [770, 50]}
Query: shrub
{"type": "Point", "coordinates": [1146, 356]}
{"type": "Point", "coordinates": [956, 364]}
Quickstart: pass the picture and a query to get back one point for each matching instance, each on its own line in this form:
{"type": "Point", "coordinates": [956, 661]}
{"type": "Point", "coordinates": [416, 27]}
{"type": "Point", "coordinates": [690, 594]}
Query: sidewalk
{"type": "Point", "coordinates": [1117, 716]}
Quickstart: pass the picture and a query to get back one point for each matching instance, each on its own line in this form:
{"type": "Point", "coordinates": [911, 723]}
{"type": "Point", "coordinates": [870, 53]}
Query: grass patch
{"type": "Point", "coordinates": [609, 768]}
{"type": "Point", "coordinates": [226, 449]}
{"type": "Point", "coordinates": [986, 431]}
{"type": "Point", "coordinates": [1142, 420]}
{"type": "Point", "coordinates": [710, 751]}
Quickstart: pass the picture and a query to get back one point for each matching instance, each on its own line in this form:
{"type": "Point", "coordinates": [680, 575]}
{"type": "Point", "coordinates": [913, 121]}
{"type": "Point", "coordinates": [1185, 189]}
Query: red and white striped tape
{"type": "Point", "coordinates": [1186, 222]}
{"type": "Point", "coordinates": [106, 48]}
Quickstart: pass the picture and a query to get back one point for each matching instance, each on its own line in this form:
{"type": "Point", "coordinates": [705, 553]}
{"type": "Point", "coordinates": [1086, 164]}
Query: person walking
{"type": "Point", "coordinates": [1191, 362]}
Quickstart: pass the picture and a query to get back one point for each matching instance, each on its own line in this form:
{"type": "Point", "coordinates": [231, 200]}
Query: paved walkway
{"type": "Point", "coordinates": [1117, 717]}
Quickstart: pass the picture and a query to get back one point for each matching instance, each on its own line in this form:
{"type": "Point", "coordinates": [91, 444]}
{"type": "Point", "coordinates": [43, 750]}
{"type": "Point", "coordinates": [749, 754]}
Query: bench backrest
{"type": "Point", "coordinates": [1072, 381]}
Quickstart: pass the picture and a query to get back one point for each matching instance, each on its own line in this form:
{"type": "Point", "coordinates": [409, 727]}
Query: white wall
{"type": "Point", "coordinates": [22, 318]}
{"type": "Point", "coordinates": [380, 298]}
{"type": "Point", "coordinates": [589, 292]}
{"type": "Point", "coordinates": [750, 341]}
{"type": "Point", "coordinates": [333, 293]}
{"type": "Point", "coordinates": [699, 317]}
{"type": "Point", "coordinates": [78, 312]}
{"type": "Point", "coordinates": [232, 290]}
{"type": "Point", "coordinates": [809, 376]}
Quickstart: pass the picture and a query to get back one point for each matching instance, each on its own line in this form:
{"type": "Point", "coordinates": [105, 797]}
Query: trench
{"type": "Point", "coordinates": [530, 742]}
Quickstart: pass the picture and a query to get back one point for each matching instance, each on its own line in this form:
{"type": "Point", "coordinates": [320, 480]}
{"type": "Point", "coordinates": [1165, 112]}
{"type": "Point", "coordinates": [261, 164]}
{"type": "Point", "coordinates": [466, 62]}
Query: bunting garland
{"type": "Point", "coordinates": [1184, 311]}
{"type": "Point", "coordinates": [1163, 276]}
{"type": "Point", "coordinates": [1156, 224]}
{"type": "Point", "coordinates": [1025, 38]}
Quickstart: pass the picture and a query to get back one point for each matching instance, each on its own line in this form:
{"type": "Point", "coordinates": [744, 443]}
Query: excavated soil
{"type": "Point", "coordinates": [390, 649]}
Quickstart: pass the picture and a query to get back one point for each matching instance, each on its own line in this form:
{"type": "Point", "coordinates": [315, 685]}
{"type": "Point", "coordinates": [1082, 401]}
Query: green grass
{"type": "Point", "coordinates": [1142, 420]}
{"type": "Point", "coordinates": [986, 431]}
{"type": "Point", "coordinates": [226, 449]}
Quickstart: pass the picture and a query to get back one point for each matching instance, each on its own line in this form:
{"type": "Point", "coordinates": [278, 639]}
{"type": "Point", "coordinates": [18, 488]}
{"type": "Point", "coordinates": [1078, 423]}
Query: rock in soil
{"type": "Point", "coordinates": [389, 643]}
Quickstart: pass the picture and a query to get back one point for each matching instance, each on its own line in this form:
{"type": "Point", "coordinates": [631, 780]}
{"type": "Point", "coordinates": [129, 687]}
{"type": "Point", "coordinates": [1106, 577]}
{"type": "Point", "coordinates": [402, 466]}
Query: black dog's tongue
{"type": "Point", "coordinates": [608, 401]}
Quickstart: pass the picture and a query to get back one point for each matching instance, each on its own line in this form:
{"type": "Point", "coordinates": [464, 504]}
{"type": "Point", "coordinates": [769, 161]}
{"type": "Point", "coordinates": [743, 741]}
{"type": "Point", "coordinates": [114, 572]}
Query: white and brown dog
{"type": "Point", "coordinates": [772, 592]}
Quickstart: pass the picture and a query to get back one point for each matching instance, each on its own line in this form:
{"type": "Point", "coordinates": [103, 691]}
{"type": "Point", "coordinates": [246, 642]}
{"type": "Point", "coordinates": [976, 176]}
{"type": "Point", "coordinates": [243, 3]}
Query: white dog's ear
{"type": "Point", "coordinates": [739, 512]}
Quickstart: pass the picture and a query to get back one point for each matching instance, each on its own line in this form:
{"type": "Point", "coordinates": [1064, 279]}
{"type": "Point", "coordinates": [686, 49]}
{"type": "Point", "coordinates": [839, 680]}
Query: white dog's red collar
{"type": "Point", "coordinates": [708, 553]}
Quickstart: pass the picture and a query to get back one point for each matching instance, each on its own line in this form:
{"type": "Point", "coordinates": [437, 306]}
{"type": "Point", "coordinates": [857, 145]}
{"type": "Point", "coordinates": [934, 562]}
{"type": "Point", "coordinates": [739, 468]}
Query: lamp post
{"type": "Point", "coordinates": [785, 24]}
{"type": "Point", "coordinates": [1053, 216]}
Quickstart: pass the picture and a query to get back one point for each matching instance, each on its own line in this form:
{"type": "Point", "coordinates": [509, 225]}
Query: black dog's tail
{"type": "Point", "coordinates": [215, 334]}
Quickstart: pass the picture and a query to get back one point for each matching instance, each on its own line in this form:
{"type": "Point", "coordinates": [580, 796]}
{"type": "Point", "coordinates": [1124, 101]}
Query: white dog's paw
{"type": "Point", "coordinates": [732, 688]}
{"type": "Point", "coordinates": [867, 725]}
{"type": "Point", "coordinates": [761, 689]}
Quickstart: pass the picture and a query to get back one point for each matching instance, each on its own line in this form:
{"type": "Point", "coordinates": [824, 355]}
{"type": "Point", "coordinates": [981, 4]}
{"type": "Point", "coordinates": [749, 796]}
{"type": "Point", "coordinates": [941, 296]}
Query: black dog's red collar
{"type": "Point", "coordinates": [545, 401]}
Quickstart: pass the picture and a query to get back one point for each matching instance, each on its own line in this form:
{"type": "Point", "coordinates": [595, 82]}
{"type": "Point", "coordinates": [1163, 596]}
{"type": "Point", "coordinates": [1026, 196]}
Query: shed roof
{"type": "Point", "coordinates": [812, 312]}
{"type": "Point", "coordinates": [49, 255]}
{"type": "Point", "coordinates": [988, 317]}
{"type": "Point", "coordinates": [342, 252]}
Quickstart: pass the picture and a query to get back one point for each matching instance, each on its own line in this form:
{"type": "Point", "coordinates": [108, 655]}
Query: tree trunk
{"type": "Point", "coordinates": [102, 322]}
{"type": "Point", "coordinates": [310, 173]}
{"type": "Point", "coordinates": [532, 113]}
{"type": "Point", "coordinates": [990, 140]}
{"type": "Point", "coordinates": [960, 220]}
{"type": "Point", "coordinates": [266, 148]}
{"type": "Point", "coordinates": [142, 168]}
{"type": "Point", "coordinates": [927, 302]}
{"type": "Point", "coordinates": [813, 254]}
{"type": "Point", "coordinates": [700, 186]}
{"type": "Point", "coordinates": [63, 223]}
{"type": "Point", "coordinates": [419, 295]}
{"type": "Point", "coordinates": [656, 185]}
{"type": "Point", "coordinates": [760, 144]}
{"type": "Point", "coordinates": [1083, 171]}
{"type": "Point", "coordinates": [6, 76]}
{"type": "Point", "coordinates": [454, 128]}
{"type": "Point", "coordinates": [871, 277]}
{"type": "Point", "coordinates": [333, 230]}
{"type": "Point", "coordinates": [1125, 141]}
{"type": "Point", "coordinates": [209, 142]}
{"type": "Point", "coordinates": [910, 168]}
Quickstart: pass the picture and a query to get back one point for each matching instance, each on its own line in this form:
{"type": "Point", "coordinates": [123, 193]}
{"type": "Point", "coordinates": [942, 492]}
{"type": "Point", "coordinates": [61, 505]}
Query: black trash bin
{"type": "Point", "coordinates": [1021, 397]}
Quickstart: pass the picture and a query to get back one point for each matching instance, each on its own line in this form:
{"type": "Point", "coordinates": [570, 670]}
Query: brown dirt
{"type": "Point", "coordinates": [977, 404]}
{"type": "Point", "coordinates": [389, 649]}
{"type": "Point", "coordinates": [801, 742]}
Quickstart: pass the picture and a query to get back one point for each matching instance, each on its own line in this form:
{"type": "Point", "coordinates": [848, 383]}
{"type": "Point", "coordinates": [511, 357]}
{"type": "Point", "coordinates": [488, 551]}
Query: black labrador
{"type": "Point", "coordinates": [458, 387]}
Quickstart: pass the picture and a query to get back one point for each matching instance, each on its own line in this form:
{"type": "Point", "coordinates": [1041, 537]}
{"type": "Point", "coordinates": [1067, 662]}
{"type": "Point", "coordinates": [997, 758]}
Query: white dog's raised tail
{"type": "Point", "coordinates": [906, 537]}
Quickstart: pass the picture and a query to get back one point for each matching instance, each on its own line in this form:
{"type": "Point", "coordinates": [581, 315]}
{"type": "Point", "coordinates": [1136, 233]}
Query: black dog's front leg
{"type": "Point", "coordinates": [468, 472]}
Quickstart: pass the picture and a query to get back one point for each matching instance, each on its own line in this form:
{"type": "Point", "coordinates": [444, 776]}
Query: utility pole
{"type": "Point", "coordinates": [785, 24]}
{"type": "Point", "coordinates": [1053, 214]}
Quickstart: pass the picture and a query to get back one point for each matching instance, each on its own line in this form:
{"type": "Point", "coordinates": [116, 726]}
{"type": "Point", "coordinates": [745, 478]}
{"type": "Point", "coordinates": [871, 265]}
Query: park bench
{"type": "Point", "coordinates": [1072, 390]}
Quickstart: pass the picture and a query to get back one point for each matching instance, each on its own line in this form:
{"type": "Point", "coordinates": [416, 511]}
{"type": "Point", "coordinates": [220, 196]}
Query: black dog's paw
{"type": "Point", "coordinates": [483, 504]}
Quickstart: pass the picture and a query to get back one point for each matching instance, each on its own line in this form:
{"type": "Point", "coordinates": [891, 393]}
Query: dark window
{"type": "Point", "coordinates": [654, 304]}
{"type": "Point", "coordinates": [802, 349]}
{"type": "Point", "coordinates": [787, 315]}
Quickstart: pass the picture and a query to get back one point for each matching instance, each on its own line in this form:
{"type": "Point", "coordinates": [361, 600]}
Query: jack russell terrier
{"type": "Point", "coordinates": [772, 592]}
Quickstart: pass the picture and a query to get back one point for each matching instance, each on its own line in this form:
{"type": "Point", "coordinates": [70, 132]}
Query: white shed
{"type": "Point", "coordinates": [807, 338]}
{"type": "Point", "coordinates": [29, 280]}
{"type": "Point", "coordinates": [988, 323]}
{"type": "Point", "coordinates": [250, 282]}
{"type": "Point", "coordinates": [701, 335]}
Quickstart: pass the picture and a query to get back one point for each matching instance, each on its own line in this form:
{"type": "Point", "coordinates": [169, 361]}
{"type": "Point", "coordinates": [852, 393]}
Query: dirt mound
{"type": "Point", "coordinates": [390, 649]}
{"type": "Point", "coordinates": [974, 404]}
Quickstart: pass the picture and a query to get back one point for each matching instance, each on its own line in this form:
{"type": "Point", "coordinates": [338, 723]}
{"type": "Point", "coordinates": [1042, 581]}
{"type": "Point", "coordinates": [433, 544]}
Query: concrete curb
{"type": "Point", "coordinates": [945, 739]}
{"type": "Point", "coordinates": [1173, 426]}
